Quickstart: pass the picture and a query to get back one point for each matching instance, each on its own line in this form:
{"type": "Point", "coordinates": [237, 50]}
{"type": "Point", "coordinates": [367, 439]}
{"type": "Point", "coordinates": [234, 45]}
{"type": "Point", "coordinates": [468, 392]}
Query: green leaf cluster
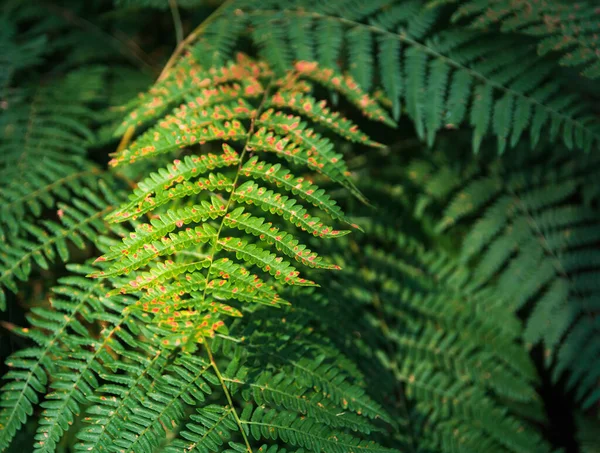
{"type": "Point", "coordinates": [332, 227]}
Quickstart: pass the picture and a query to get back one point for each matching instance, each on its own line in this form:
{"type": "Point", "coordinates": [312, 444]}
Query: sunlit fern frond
{"type": "Point", "coordinates": [218, 216]}
{"type": "Point", "coordinates": [142, 370]}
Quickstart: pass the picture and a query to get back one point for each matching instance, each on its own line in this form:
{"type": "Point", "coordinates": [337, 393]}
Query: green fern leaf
{"type": "Point", "coordinates": [530, 237]}
{"type": "Point", "coordinates": [558, 26]}
{"type": "Point", "coordinates": [485, 76]}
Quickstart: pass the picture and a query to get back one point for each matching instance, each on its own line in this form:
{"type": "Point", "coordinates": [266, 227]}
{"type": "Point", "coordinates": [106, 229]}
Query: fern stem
{"type": "Point", "coordinates": [125, 139]}
{"type": "Point", "coordinates": [213, 252]}
{"type": "Point", "coordinates": [234, 185]}
{"type": "Point", "coordinates": [176, 21]}
{"type": "Point", "coordinates": [228, 338]}
{"type": "Point", "coordinates": [227, 395]}
{"type": "Point", "coordinates": [212, 260]}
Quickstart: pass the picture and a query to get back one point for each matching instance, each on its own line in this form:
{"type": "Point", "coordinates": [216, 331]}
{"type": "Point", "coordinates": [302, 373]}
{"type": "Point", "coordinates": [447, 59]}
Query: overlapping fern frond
{"type": "Point", "coordinates": [441, 79]}
{"type": "Point", "coordinates": [46, 174]}
{"type": "Point", "coordinates": [568, 28]}
{"type": "Point", "coordinates": [66, 352]}
{"type": "Point", "coordinates": [193, 266]}
{"type": "Point", "coordinates": [530, 229]}
{"type": "Point", "coordinates": [52, 193]}
{"type": "Point", "coordinates": [290, 393]}
{"type": "Point", "coordinates": [451, 349]}
{"type": "Point", "coordinates": [170, 342]}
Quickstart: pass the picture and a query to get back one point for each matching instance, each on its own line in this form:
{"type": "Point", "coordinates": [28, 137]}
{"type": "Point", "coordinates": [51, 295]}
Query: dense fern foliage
{"type": "Point", "coordinates": [439, 78]}
{"type": "Point", "coordinates": [49, 127]}
{"type": "Point", "coordinates": [533, 238]}
{"type": "Point", "coordinates": [450, 349]}
{"type": "Point", "coordinates": [337, 227]}
{"type": "Point", "coordinates": [566, 27]}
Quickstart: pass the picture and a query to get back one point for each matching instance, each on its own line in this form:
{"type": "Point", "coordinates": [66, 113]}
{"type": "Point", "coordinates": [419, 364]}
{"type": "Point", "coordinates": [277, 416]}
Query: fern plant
{"type": "Point", "coordinates": [218, 113]}
{"type": "Point", "coordinates": [446, 349]}
{"type": "Point", "coordinates": [202, 311]}
{"type": "Point", "coordinates": [47, 130]}
{"type": "Point", "coordinates": [181, 300]}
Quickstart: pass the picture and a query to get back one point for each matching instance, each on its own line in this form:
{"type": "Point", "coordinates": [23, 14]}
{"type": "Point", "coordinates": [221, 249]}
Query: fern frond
{"type": "Point", "coordinates": [207, 431]}
{"type": "Point", "coordinates": [137, 423]}
{"type": "Point", "coordinates": [307, 414]}
{"type": "Point", "coordinates": [326, 378]}
{"type": "Point", "coordinates": [529, 236]}
{"type": "Point", "coordinates": [281, 390]}
{"type": "Point", "coordinates": [76, 301]}
{"type": "Point", "coordinates": [43, 167]}
{"type": "Point", "coordinates": [263, 105]}
{"type": "Point", "coordinates": [501, 96]}
{"type": "Point", "coordinates": [450, 348]}
{"type": "Point", "coordinates": [182, 300]}
{"type": "Point", "coordinates": [169, 340]}
{"type": "Point", "coordinates": [80, 222]}
{"type": "Point", "coordinates": [137, 410]}
{"type": "Point", "coordinates": [79, 373]}
{"type": "Point", "coordinates": [568, 28]}
{"type": "Point", "coordinates": [303, 432]}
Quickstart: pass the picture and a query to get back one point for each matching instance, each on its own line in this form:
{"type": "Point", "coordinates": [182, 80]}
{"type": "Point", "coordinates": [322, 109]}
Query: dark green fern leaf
{"type": "Point", "coordinates": [568, 28]}
{"type": "Point", "coordinates": [529, 236]}
{"type": "Point", "coordinates": [502, 97]}
{"type": "Point", "coordinates": [76, 301]}
{"type": "Point", "coordinates": [450, 348]}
